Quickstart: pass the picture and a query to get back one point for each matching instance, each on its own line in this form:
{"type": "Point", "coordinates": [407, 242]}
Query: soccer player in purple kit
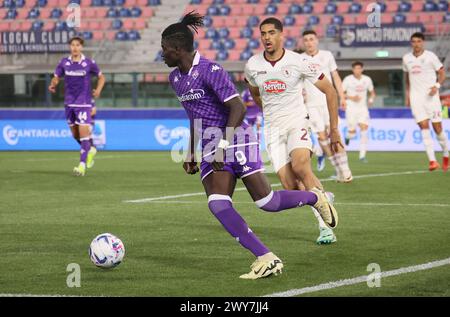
{"type": "Point", "coordinates": [214, 107]}
{"type": "Point", "coordinates": [253, 116]}
{"type": "Point", "coordinates": [77, 71]}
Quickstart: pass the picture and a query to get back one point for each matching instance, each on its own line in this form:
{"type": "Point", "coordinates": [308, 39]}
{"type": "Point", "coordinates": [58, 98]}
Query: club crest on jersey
{"type": "Point", "coordinates": [193, 94]}
{"type": "Point", "coordinates": [286, 72]}
{"type": "Point", "coordinates": [274, 86]}
{"type": "Point", "coordinates": [195, 74]}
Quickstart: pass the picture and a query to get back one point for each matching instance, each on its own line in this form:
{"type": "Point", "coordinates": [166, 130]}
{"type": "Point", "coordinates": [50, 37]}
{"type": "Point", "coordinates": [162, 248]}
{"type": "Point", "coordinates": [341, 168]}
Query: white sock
{"type": "Point", "coordinates": [324, 143]}
{"type": "Point", "coordinates": [342, 164]}
{"type": "Point", "coordinates": [318, 150]}
{"type": "Point", "coordinates": [442, 139]}
{"type": "Point", "coordinates": [351, 134]}
{"type": "Point", "coordinates": [363, 144]}
{"type": "Point", "coordinates": [334, 164]}
{"type": "Point", "coordinates": [319, 218]}
{"type": "Point", "coordinates": [428, 142]}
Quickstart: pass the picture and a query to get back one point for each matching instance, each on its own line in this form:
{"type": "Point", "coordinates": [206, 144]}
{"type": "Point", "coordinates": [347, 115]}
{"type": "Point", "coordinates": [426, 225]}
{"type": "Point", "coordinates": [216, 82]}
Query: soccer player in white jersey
{"type": "Point", "coordinates": [356, 87]}
{"type": "Point", "coordinates": [316, 102]}
{"type": "Point", "coordinates": [276, 77]}
{"type": "Point", "coordinates": [422, 95]}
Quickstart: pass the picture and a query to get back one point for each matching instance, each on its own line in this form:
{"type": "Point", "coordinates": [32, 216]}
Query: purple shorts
{"type": "Point", "coordinates": [78, 115]}
{"type": "Point", "coordinates": [241, 160]}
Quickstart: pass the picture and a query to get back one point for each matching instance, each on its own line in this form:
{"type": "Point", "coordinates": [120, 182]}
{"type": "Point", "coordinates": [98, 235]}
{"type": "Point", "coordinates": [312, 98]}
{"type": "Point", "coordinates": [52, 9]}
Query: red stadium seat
{"type": "Point", "coordinates": [199, 8]}
{"type": "Point", "coordinates": [22, 13]}
{"type": "Point", "coordinates": [386, 18]}
{"type": "Point", "coordinates": [45, 13]}
{"type": "Point", "coordinates": [147, 12]}
{"type": "Point", "coordinates": [240, 44]}
{"type": "Point", "coordinates": [94, 25]}
{"type": "Point", "coordinates": [361, 19]}
{"type": "Point", "coordinates": [319, 7]}
{"type": "Point", "coordinates": [343, 7]}
{"type": "Point", "coordinates": [51, 3]}
{"type": "Point", "coordinates": [5, 25]}
{"type": "Point", "coordinates": [350, 18]}
{"type": "Point", "coordinates": [14, 26]}
{"type": "Point", "coordinates": [130, 3]}
{"type": "Point", "coordinates": [88, 13]}
{"type": "Point", "coordinates": [235, 32]}
{"type": "Point", "coordinates": [325, 19]}
{"type": "Point", "coordinates": [233, 55]}
{"type": "Point", "coordinates": [48, 25]}
{"type": "Point", "coordinates": [25, 26]}
{"type": "Point", "coordinates": [140, 23]}
{"type": "Point", "coordinates": [203, 44]}
{"type": "Point", "coordinates": [101, 12]}
{"type": "Point", "coordinates": [259, 10]}
{"type": "Point", "coordinates": [283, 9]}
{"type": "Point", "coordinates": [292, 31]}
{"type": "Point", "coordinates": [413, 18]}
{"type": "Point", "coordinates": [110, 35]}
{"type": "Point", "coordinates": [87, 3]}
{"type": "Point", "coordinates": [209, 54]}
{"type": "Point", "coordinates": [219, 22]}
{"type": "Point", "coordinates": [242, 10]}
{"type": "Point", "coordinates": [417, 6]}
{"type": "Point", "coordinates": [97, 35]}
{"type": "Point", "coordinates": [128, 23]}
{"type": "Point", "coordinates": [391, 6]}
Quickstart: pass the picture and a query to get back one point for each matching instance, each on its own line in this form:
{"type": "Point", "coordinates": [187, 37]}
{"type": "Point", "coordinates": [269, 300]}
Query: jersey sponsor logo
{"type": "Point", "coordinates": [416, 69]}
{"type": "Point", "coordinates": [77, 73]}
{"type": "Point", "coordinates": [193, 94]}
{"type": "Point", "coordinates": [274, 86]}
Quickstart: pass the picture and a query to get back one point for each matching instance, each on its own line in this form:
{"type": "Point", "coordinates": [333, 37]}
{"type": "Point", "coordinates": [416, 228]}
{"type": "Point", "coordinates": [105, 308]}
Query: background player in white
{"type": "Point", "coordinates": [422, 94]}
{"type": "Point", "coordinates": [356, 87]}
{"type": "Point", "coordinates": [276, 77]}
{"type": "Point", "coordinates": [316, 102]}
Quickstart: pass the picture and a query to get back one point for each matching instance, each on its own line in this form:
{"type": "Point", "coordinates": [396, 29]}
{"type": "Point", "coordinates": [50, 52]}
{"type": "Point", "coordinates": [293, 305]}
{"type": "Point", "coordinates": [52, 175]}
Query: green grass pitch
{"type": "Point", "coordinates": [175, 247]}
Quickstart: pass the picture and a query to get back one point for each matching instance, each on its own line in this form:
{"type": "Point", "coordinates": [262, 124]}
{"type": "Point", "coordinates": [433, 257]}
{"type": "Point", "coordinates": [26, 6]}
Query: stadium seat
{"type": "Point", "coordinates": [146, 12]}
{"type": "Point", "coordinates": [112, 13]}
{"type": "Point", "coordinates": [134, 35]}
{"type": "Point", "coordinates": [330, 8]}
{"type": "Point", "coordinates": [271, 9]}
{"type": "Point", "coordinates": [11, 14]}
{"type": "Point", "coordinates": [355, 8]}
{"type": "Point", "coordinates": [208, 21]}
{"type": "Point", "coordinates": [48, 26]}
{"type": "Point", "coordinates": [332, 31]}
{"type": "Point", "coordinates": [108, 3]}
{"type": "Point", "coordinates": [404, 6]}
{"type": "Point", "coordinates": [399, 18]}
{"type": "Point", "coordinates": [95, 3]}
{"type": "Point", "coordinates": [216, 45]}
{"type": "Point", "coordinates": [154, 2]}
{"type": "Point", "coordinates": [5, 25]}
{"type": "Point", "coordinates": [229, 44]}
{"type": "Point", "coordinates": [213, 11]}
{"type": "Point", "coordinates": [119, 3]}
{"type": "Point", "coordinates": [289, 20]}
{"type": "Point", "coordinates": [253, 44]}
{"type": "Point", "coordinates": [22, 13]}
{"type": "Point", "coordinates": [313, 20]}
{"type": "Point", "coordinates": [136, 12]}
{"type": "Point", "coordinates": [117, 24]}
{"type": "Point", "coordinates": [308, 8]}
{"type": "Point", "coordinates": [37, 25]}
{"type": "Point", "coordinates": [412, 18]}
{"type": "Point", "coordinates": [295, 9]}
{"type": "Point", "coordinates": [233, 55]}
{"type": "Point", "coordinates": [124, 13]}
{"type": "Point", "coordinates": [223, 33]}
{"type": "Point", "coordinates": [140, 24]}
{"type": "Point", "coordinates": [430, 6]}
{"type": "Point", "coordinates": [225, 10]}
{"type": "Point", "coordinates": [290, 43]}
{"type": "Point", "coordinates": [211, 33]}
{"type": "Point", "coordinates": [337, 20]}
{"type": "Point", "coordinates": [443, 6]}
{"type": "Point", "coordinates": [60, 26]}
{"type": "Point", "coordinates": [246, 32]}
{"type": "Point", "coordinates": [56, 13]}
{"type": "Point", "coordinates": [245, 55]}
{"type": "Point", "coordinates": [253, 21]}
{"type": "Point", "coordinates": [121, 36]}
{"type": "Point", "coordinates": [33, 13]}
{"type": "Point", "coordinates": [20, 3]}
{"type": "Point", "coordinates": [41, 3]}
{"type": "Point", "coordinates": [127, 24]}
{"type": "Point", "coordinates": [446, 18]}
{"type": "Point", "coordinates": [222, 55]}
{"type": "Point", "coordinates": [87, 35]}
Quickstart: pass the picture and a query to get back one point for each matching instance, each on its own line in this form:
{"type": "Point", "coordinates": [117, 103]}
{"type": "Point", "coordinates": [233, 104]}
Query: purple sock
{"type": "Point", "coordinates": [223, 210]}
{"type": "Point", "coordinates": [85, 147]}
{"type": "Point", "coordinates": [286, 199]}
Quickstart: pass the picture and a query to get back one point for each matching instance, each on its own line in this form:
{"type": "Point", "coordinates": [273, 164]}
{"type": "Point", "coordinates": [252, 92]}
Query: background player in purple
{"type": "Point", "coordinates": [253, 116]}
{"type": "Point", "coordinates": [214, 108]}
{"type": "Point", "coordinates": [77, 71]}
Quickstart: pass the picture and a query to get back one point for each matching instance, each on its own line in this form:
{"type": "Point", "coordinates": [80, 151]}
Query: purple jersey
{"type": "Point", "coordinates": [253, 110]}
{"type": "Point", "coordinates": [77, 80]}
{"type": "Point", "coordinates": [202, 92]}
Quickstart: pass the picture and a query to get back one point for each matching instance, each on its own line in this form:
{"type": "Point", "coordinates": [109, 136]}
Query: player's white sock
{"type": "Point", "coordinates": [342, 164]}
{"type": "Point", "coordinates": [324, 144]}
{"type": "Point", "coordinates": [335, 165]}
{"type": "Point", "coordinates": [363, 144]}
{"type": "Point", "coordinates": [319, 218]}
{"type": "Point", "coordinates": [442, 139]}
{"type": "Point", "coordinates": [428, 142]}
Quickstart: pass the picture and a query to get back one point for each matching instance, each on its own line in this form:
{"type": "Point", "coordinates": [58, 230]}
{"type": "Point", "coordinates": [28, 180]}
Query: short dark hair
{"type": "Point", "coordinates": [308, 32]}
{"type": "Point", "coordinates": [277, 23]}
{"type": "Point", "coordinates": [180, 33]}
{"type": "Point", "coordinates": [77, 38]}
{"type": "Point", "coordinates": [357, 63]}
{"type": "Point", "coordinates": [299, 50]}
{"type": "Point", "coordinates": [419, 35]}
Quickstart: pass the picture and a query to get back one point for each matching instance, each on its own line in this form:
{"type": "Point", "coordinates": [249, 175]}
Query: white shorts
{"type": "Point", "coordinates": [356, 115]}
{"type": "Point", "coordinates": [281, 144]}
{"type": "Point", "coordinates": [428, 108]}
{"type": "Point", "coordinates": [319, 118]}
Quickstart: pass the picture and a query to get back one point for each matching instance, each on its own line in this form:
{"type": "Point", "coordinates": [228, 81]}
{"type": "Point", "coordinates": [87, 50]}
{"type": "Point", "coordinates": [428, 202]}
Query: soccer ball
{"type": "Point", "coordinates": [106, 250]}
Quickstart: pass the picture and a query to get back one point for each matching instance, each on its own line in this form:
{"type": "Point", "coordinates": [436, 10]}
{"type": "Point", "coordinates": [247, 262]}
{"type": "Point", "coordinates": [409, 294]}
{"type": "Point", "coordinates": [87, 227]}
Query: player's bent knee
{"type": "Point", "coordinates": [269, 203]}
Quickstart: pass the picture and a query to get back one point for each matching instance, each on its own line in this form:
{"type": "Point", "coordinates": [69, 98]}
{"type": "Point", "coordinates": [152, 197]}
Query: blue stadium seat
{"type": "Point", "coordinates": [245, 55]}
{"type": "Point", "coordinates": [112, 13]}
{"type": "Point", "coordinates": [222, 55]}
{"type": "Point", "coordinates": [229, 44]}
{"type": "Point", "coordinates": [11, 14]}
{"type": "Point", "coordinates": [108, 3]}
{"type": "Point", "coordinates": [33, 13]}
{"type": "Point", "coordinates": [121, 36]}
{"type": "Point", "coordinates": [117, 24]}
{"type": "Point", "coordinates": [37, 25]}
{"type": "Point", "coordinates": [253, 21]}
{"type": "Point", "coordinates": [330, 8]}
{"type": "Point", "coordinates": [9, 4]}
{"type": "Point", "coordinates": [289, 20]}
{"type": "Point", "coordinates": [295, 9]}
{"type": "Point", "coordinates": [41, 3]}
{"type": "Point", "coordinates": [337, 20]}
{"type": "Point", "coordinates": [213, 10]}
{"type": "Point", "coordinates": [134, 35]}
{"type": "Point", "coordinates": [56, 13]}
{"type": "Point", "coordinates": [332, 31]}
{"type": "Point", "coordinates": [313, 20]}
{"type": "Point", "coordinates": [404, 6]}
{"type": "Point", "coordinates": [211, 33]}
{"type": "Point", "coordinates": [219, 1]}
{"type": "Point", "coordinates": [225, 10]}
{"type": "Point", "coordinates": [253, 44]}
{"type": "Point", "coordinates": [276, 1]}
{"type": "Point", "coordinates": [75, 1]}
{"type": "Point", "coordinates": [399, 18]}
{"type": "Point", "coordinates": [355, 8]}
{"type": "Point", "coordinates": [308, 8]}
{"type": "Point", "coordinates": [246, 32]}
{"type": "Point", "coordinates": [253, 1]}
{"type": "Point", "coordinates": [224, 32]}
{"type": "Point", "coordinates": [87, 35]}
{"type": "Point", "coordinates": [119, 3]}
{"type": "Point", "coordinates": [97, 3]}
{"type": "Point", "coordinates": [447, 17]}
{"type": "Point", "coordinates": [443, 5]}
{"type": "Point", "coordinates": [136, 12]}
{"type": "Point", "coordinates": [60, 26]}
{"type": "Point", "coordinates": [20, 3]}
{"type": "Point", "coordinates": [290, 43]}
{"type": "Point", "coordinates": [207, 21]}
{"type": "Point", "coordinates": [154, 2]}
{"type": "Point", "coordinates": [430, 6]}
{"type": "Point", "coordinates": [124, 13]}
{"type": "Point", "coordinates": [196, 1]}
{"type": "Point", "coordinates": [383, 6]}
{"type": "Point", "coordinates": [271, 9]}
{"type": "Point", "coordinates": [216, 45]}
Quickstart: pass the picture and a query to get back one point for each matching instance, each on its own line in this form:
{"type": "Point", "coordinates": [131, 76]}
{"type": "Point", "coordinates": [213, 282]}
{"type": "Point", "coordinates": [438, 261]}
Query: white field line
{"type": "Point", "coordinates": [360, 279]}
{"type": "Point", "coordinates": [150, 199]}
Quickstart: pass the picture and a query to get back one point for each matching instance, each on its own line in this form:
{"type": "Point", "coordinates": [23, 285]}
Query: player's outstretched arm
{"type": "Point", "coordinates": [53, 84]}
{"type": "Point", "coordinates": [325, 86]}
{"type": "Point", "coordinates": [189, 164]}
{"type": "Point", "coordinates": [100, 84]}
{"type": "Point", "coordinates": [338, 83]}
